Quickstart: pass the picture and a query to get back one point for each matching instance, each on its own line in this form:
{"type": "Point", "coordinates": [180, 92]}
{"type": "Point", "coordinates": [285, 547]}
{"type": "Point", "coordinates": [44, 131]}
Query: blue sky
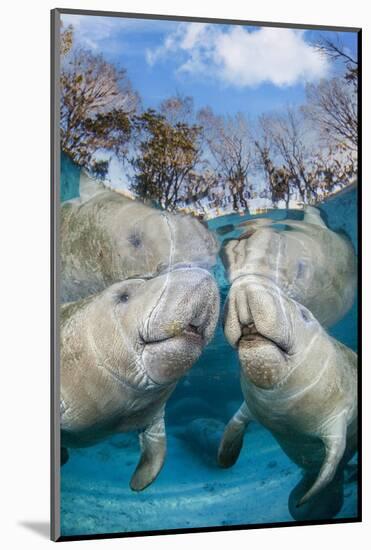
{"type": "Point", "coordinates": [230, 68]}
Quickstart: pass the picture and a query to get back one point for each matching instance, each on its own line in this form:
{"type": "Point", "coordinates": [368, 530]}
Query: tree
{"type": "Point", "coordinates": [229, 142]}
{"type": "Point", "coordinates": [332, 104]}
{"type": "Point", "coordinates": [66, 39]}
{"type": "Point", "coordinates": [284, 155]}
{"type": "Point", "coordinates": [203, 190]}
{"type": "Point", "coordinates": [97, 104]}
{"type": "Point", "coordinates": [335, 50]}
{"type": "Point", "coordinates": [278, 178]}
{"type": "Point", "coordinates": [167, 155]}
{"type": "Point", "coordinates": [293, 164]}
{"type": "Point", "coordinates": [178, 109]}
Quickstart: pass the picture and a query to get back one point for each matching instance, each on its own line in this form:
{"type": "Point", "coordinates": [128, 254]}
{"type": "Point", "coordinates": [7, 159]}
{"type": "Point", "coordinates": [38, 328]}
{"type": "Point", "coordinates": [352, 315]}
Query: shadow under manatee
{"type": "Point", "coordinates": [202, 436]}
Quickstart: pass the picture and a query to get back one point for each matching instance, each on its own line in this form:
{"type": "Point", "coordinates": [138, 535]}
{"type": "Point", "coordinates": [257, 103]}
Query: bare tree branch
{"type": "Point", "coordinates": [230, 145]}
{"type": "Point", "coordinates": [97, 102]}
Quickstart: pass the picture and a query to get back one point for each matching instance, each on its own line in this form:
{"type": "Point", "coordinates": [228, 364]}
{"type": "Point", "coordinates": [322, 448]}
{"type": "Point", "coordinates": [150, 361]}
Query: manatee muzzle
{"type": "Point", "coordinates": [175, 329]}
{"type": "Point", "coordinates": [256, 306]}
{"type": "Point", "coordinates": [180, 324]}
{"type": "Point", "coordinates": [251, 338]}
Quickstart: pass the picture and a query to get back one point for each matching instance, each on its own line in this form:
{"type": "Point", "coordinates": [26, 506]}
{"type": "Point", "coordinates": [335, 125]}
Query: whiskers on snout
{"type": "Point", "coordinates": [249, 331]}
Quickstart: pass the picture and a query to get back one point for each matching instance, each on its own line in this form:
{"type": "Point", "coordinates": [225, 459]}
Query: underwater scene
{"type": "Point", "coordinates": [192, 490]}
{"type": "Point", "coordinates": [207, 361]}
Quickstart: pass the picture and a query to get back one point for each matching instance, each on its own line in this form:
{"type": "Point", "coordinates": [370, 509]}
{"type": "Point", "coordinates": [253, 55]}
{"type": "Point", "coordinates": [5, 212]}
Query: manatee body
{"type": "Point", "coordinates": [123, 351]}
{"type": "Point", "coordinates": [305, 259]}
{"type": "Point", "coordinates": [299, 383]}
{"type": "Point", "coordinates": [106, 237]}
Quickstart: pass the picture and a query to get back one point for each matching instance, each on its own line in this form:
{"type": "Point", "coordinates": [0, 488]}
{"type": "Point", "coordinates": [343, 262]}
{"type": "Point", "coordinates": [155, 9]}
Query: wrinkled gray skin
{"type": "Point", "coordinates": [106, 237]}
{"type": "Point", "coordinates": [123, 351]}
{"type": "Point", "coordinates": [307, 261]}
{"type": "Point", "coordinates": [297, 381]}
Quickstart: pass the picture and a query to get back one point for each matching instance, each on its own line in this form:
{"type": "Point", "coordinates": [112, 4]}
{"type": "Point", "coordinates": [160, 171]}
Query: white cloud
{"type": "Point", "coordinates": [240, 57]}
{"type": "Point", "coordinates": [93, 31]}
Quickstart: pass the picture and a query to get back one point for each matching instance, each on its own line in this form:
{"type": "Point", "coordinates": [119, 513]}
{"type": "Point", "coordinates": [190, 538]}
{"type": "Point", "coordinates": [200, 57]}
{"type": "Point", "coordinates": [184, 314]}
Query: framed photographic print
{"type": "Point", "coordinates": [205, 274]}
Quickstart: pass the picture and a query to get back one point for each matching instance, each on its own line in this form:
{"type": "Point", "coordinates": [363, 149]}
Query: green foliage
{"type": "Point", "coordinates": [167, 154]}
{"type": "Point", "coordinates": [99, 168]}
{"type": "Point", "coordinates": [66, 40]}
{"type": "Point", "coordinates": [97, 103]}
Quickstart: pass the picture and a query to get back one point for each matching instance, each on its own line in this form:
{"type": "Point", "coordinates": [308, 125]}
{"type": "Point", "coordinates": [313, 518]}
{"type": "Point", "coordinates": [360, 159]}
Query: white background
{"type": "Point", "coordinates": [24, 254]}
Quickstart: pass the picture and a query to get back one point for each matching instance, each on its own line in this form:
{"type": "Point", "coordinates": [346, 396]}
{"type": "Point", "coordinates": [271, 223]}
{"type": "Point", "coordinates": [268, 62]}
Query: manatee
{"type": "Point", "coordinates": [107, 237]}
{"type": "Point", "coordinates": [310, 263]}
{"type": "Point", "coordinates": [123, 351]}
{"type": "Point", "coordinates": [300, 384]}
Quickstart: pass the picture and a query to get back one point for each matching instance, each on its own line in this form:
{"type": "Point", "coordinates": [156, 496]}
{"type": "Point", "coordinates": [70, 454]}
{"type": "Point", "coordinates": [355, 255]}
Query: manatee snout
{"type": "Point", "coordinates": [257, 322]}
{"type": "Point", "coordinates": [257, 309]}
{"type": "Point", "coordinates": [180, 324]}
{"type": "Point", "coordinates": [188, 301]}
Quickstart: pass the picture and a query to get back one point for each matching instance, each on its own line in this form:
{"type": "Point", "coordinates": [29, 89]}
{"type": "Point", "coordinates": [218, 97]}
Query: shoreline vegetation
{"type": "Point", "coordinates": [203, 163]}
{"type": "Point", "coordinates": [210, 214]}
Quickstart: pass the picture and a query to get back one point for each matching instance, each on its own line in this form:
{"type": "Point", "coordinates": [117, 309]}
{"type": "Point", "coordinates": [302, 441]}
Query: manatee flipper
{"type": "Point", "coordinates": [334, 441]}
{"type": "Point", "coordinates": [232, 440]}
{"type": "Point", "coordinates": [153, 451]}
{"type": "Point", "coordinates": [322, 506]}
{"type": "Point", "coordinates": [64, 455]}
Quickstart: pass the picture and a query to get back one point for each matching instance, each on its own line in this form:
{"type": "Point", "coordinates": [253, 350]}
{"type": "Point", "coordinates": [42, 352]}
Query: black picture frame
{"type": "Point", "coordinates": [55, 270]}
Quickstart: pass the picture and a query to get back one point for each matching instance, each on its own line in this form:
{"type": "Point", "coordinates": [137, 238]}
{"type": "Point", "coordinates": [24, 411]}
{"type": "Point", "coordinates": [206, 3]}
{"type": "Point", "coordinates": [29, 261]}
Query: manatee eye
{"type": "Point", "coordinates": [135, 240]}
{"type": "Point", "coordinates": [124, 297]}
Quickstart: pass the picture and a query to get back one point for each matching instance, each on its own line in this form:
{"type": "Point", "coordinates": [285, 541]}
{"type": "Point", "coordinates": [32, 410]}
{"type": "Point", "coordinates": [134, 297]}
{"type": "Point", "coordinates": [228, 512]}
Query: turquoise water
{"type": "Point", "coordinates": [70, 178]}
{"type": "Point", "coordinates": [191, 491]}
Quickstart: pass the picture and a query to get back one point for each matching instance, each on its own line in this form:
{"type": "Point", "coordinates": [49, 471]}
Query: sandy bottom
{"type": "Point", "coordinates": [191, 491]}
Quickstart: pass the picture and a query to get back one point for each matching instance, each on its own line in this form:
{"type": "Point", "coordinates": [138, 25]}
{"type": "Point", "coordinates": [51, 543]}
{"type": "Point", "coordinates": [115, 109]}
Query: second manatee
{"type": "Point", "coordinates": [106, 238]}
